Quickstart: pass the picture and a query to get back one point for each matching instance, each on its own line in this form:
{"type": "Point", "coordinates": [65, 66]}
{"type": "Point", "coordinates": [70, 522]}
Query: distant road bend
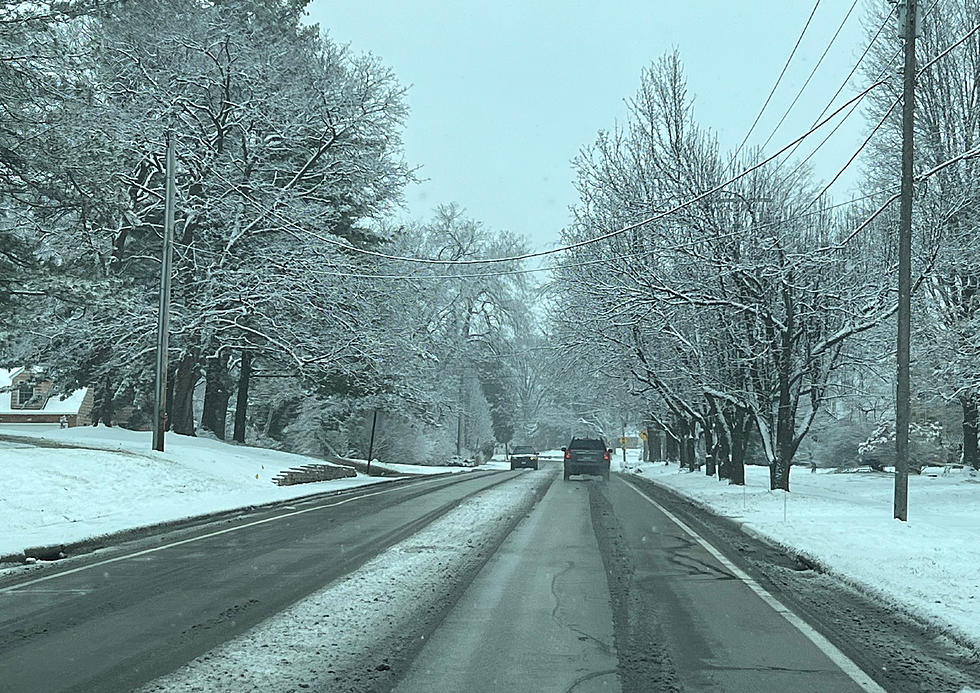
{"type": "Point", "coordinates": [592, 586]}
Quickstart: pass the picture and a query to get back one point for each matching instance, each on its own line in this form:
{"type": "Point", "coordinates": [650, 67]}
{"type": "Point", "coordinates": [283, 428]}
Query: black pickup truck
{"type": "Point", "coordinates": [587, 456]}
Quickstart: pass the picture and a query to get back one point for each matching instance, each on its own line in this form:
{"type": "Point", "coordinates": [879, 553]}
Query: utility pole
{"type": "Point", "coordinates": [374, 424]}
{"type": "Point", "coordinates": [908, 11]}
{"type": "Point", "coordinates": [163, 319]}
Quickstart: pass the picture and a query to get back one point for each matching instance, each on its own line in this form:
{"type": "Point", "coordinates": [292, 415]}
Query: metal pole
{"type": "Point", "coordinates": [163, 319]}
{"type": "Point", "coordinates": [374, 424]}
{"type": "Point", "coordinates": [903, 385]}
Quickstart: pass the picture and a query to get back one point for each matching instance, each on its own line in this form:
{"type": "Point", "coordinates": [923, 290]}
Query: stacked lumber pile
{"type": "Point", "coordinates": [309, 473]}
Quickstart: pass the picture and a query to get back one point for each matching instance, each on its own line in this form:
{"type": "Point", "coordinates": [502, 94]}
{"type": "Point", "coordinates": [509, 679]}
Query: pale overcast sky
{"type": "Point", "coordinates": [503, 94]}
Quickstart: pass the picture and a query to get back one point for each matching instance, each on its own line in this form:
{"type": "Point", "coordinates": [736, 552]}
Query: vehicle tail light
{"type": "Point", "coordinates": [605, 456]}
{"type": "Point", "coordinates": [568, 454]}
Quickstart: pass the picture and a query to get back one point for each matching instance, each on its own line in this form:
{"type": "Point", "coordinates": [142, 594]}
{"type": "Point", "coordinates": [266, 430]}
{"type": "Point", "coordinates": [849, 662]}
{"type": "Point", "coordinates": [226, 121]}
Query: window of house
{"type": "Point", "coordinates": [25, 393]}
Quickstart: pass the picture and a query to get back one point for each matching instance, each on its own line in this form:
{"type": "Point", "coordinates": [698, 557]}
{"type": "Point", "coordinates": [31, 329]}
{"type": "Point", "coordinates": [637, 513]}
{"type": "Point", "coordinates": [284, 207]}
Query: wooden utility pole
{"type": "Point", "coordinates": [374, 425]}
{"type": "Point", "coordinates": [907, 18]}
{"type": "Point", "coordinates": [163, 319]}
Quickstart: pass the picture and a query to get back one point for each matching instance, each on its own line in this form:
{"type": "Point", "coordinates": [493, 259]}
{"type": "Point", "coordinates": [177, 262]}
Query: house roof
{"type": "Point", "coordinates": [54, 404]}
{"type": "Point", "coordinates": [7, 376]}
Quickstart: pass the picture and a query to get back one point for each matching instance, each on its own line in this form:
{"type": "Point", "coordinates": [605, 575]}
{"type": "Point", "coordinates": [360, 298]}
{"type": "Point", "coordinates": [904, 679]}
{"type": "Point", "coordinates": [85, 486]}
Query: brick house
{"type": "Point", "coordinates": [25, 397]}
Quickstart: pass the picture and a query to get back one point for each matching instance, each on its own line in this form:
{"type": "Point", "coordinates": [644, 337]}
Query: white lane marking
{"type": "Point", "coordinates": [44, 591]}
{"type": "Point", "coordinates": [828, 648]}
{"type": "Point", "coordinates": [14, 588]}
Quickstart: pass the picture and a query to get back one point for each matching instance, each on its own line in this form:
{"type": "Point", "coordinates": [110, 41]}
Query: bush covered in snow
{"type": "Point", "coordinates": [927, 446]}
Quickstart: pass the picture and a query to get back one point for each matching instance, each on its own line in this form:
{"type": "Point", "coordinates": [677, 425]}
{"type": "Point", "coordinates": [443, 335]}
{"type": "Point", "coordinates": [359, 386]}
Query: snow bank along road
{"type": "Point", "coordinates": [528, 584]}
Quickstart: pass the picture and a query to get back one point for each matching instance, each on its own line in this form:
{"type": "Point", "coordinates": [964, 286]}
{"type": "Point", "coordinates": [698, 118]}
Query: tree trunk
{"type": "Point", "coordinates": [169, 402]}
{"type": "Point", "coordinates": [692, 458]}
{"type": "Point", "coordinates": [741, 427]}
{"type": "Point", "coordinates": [648, 441]}
{"type": "Point", "coordinates": [102, 409]}
{"type": "Point", "coordinates": [216, 396]}
{"type": "Point", "coordinates": [657, 446]}
{"type": "Point", "coordinates": [970, 416]}
{"type": "Point", "coordinates": [280, 414]}
{"type": "Point", "coordinates": [724, 455]}
{"type": "Point", "coordinates": [655, 442]}
{"type": "Point", "coordinates": [680, 433]}
{"type": "Point", "coordinates": [185, 381]}
{"type": "Point", "coordinates": [241, 406]}
{"type": "Point", "coordinates": [671, 446]}
{"type": "Point", "coordinates": [709, 452]}
{"type": "Point", "coordinates": [684, 433]}
{"type": "Point", "coordinates": [784, 447]}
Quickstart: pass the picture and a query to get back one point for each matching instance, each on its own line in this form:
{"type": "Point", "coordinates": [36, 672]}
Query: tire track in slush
{"type": "Point", "coordinates": [644, 662]}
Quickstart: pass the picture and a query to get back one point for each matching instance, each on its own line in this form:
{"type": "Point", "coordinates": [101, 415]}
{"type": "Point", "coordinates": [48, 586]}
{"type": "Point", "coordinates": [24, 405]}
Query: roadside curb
{"type": "Point", "coordinates": [52, 552]}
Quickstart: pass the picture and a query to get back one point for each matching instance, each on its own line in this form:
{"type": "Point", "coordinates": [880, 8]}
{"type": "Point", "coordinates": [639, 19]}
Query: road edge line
{"type": "Point", "coordinates": [843, 662]}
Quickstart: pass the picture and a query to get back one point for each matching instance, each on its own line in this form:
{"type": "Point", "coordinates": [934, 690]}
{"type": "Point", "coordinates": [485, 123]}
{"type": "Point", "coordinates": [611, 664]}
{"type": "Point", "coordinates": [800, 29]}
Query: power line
{"type": "Point", "coordinates": [545, 268]}
{"type": "Point", "coordinates": [778, 79]}
{"type": "Point", "coordinates": [602, 237]}
{"type": "Point", "coordinates": [887, 114]}
{"type": "Point", "coordinates": [810, 76]}
{"type": "Point", "coordinates": [820, 123]}
{"type": "Point", "coordinates": [571, 246]}
{"type": "Point", "coordinates": [833, 98]}
{"type": "Point", "coordinates": [586, 263]}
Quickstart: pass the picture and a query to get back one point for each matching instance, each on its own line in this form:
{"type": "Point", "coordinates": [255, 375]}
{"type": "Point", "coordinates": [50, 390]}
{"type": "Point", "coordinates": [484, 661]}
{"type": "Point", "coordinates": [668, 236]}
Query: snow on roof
{"type": "Point", "coordinates": [54, 405]}
{"type": "Point", "coordinates": [7, 376]}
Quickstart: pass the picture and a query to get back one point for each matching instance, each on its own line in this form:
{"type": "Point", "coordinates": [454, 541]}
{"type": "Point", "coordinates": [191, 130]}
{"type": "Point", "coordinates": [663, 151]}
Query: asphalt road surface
{"type": "Point", "coordinates": [116, 619]}
{"type": "Point", "coordinates": [601, 591]}
{"type": "Point", "coordinates": [616, 586]}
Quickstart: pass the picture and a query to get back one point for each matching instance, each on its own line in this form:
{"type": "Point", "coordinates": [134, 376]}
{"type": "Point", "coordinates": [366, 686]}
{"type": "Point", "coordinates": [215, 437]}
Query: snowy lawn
{"type": "Point", "coordinates": [319, 642]}
{"type": "Point", "coordinates": [51, 495]}
{"type": "Point", "coordinates": [929, 565]}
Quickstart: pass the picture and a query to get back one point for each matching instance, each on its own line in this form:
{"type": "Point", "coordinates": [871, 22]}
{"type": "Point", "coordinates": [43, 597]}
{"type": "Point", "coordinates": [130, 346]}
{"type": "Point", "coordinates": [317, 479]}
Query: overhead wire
{"type": "Point", "coordinates": [779, 79]}
{"type": "Point", "coordinates": [547, 268]}
{"type": "Point", "coordinates": [612, 234]}
{"type": "Point", "coordinates": [806, 82]}
{"type": "Point", "coordinates": [526, 256]}
{"type": "Point", "coordinates": [844, 83]}
{"type": "Point", "coordinates": [570, 246]}
{"type": "Point", "coordinates": [889, 111]}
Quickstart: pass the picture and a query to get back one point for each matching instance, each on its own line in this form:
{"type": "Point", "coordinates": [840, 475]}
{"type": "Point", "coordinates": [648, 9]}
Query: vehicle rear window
{"type": "Point", "coordinates": [587, 444]}
{"type": "Point", "coordinates": [522, 450]}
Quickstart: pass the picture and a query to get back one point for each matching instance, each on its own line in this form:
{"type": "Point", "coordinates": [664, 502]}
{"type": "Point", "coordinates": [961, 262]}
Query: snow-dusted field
{"type": "Point", "coordinates": [929, 565]}
{"type": "Point", "coordinates": [318, 642]}
{"type": "Point", "coordinates": [54, 495]}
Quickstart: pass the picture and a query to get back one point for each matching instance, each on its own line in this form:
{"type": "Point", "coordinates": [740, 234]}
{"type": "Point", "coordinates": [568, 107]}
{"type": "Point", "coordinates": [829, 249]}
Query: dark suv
{"type": "Point", "coordinates": [587, 456]}
{"type": "Point", "coordinates": [523, 456]}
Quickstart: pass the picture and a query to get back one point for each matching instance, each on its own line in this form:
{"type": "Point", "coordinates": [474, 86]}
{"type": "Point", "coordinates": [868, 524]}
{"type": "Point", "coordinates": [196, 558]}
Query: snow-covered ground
{"type": "Point", "coordinates": [929, 565]}
{"type": "Point", "coordinates": [317, 642]}
{"type": "Point", "coordinates": [58, 495]}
